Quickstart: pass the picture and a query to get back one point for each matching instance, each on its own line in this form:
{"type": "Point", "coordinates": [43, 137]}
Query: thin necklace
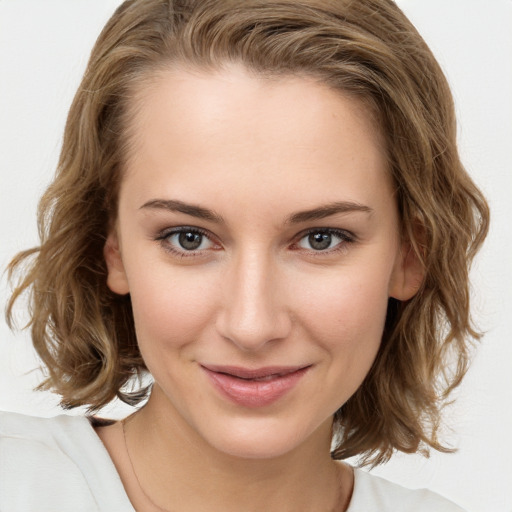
{"type": "Point", "coordinates": [123, 423]}
{"type": "Point", "coordinates": [161, 509]}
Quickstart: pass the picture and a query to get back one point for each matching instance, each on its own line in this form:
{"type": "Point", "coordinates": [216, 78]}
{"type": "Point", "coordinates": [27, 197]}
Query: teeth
{"type": "Point", "coordinates": [264, 378]}
{"type": "Point", "coordinates": [258, 379]}
{"type": "Point", "coordinates": [268, 377]}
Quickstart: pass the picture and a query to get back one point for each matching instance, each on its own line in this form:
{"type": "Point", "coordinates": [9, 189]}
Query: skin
{"type": "Point", "coordinates": [254, 153]}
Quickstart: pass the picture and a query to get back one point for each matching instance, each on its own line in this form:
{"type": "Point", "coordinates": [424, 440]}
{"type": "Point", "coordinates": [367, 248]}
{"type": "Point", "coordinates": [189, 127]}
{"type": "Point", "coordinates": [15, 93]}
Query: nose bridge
{"type": "Point", "coordinates": [253, 310]}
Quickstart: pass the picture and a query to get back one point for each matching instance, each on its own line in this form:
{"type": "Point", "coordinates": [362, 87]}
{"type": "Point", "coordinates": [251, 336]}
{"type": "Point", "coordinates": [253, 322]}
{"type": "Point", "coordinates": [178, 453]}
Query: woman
{"type": "Point", "coordinates": [261, 204]}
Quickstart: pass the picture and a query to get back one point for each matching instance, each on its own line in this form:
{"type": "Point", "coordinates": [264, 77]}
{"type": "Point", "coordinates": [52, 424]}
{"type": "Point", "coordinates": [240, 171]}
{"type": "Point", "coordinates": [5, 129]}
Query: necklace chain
{"type": "Point", "coordinates": [161, 509]}
{"type": "Point", "coordinates": [123, 423]}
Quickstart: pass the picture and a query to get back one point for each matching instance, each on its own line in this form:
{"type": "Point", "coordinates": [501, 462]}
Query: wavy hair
{"type": "Point", "coordinates": [85, 334]}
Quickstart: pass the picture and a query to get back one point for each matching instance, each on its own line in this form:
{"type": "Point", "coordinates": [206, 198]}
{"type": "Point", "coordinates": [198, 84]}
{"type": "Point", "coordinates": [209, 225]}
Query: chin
{"type": "Point", "coordinates": [260, 439]}
{"type": "Point", "coordinates": [268, 447]}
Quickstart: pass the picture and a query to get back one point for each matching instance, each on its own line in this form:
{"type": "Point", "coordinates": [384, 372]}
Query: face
{"type": "Point", "coordinates": [257, 235]}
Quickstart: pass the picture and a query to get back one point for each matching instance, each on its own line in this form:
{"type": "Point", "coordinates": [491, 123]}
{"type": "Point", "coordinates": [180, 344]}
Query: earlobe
{"type": "Point", "coordinates": [116, 278]}
{"type": "Point", "coordinates": [408, 274]}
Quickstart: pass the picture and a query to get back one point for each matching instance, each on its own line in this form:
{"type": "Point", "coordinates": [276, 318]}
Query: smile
{"type": "Point", "coordinates": [254, 387]}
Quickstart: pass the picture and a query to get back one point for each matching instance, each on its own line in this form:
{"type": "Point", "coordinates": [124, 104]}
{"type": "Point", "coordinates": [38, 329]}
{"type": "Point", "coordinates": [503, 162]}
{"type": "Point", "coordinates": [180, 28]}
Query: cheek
{"type": "Point", "coordinates": [346, 315]}
{"type": "Point", "coordinates": [347, 322]}
{"type": "Point", "coordinates": [170, 308]}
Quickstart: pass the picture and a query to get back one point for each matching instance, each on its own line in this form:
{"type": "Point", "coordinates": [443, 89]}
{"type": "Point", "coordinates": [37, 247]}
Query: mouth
{"type": "Point", "coordinates": [254, 387]}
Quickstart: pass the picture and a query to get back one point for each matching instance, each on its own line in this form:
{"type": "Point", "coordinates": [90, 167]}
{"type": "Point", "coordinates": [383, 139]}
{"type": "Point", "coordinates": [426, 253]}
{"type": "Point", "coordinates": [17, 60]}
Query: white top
{"type": "Point", "coordinates": [60, 464]}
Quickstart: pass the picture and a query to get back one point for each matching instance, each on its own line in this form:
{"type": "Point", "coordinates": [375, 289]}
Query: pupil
{"type": "Point", "coordinates": [190, 241]}
{"type": "Point", "coordinates": [320, 241]}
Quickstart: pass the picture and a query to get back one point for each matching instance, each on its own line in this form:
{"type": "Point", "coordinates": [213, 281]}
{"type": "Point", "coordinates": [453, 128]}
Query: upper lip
{"type": "Point", "coordinates": [253, 373]}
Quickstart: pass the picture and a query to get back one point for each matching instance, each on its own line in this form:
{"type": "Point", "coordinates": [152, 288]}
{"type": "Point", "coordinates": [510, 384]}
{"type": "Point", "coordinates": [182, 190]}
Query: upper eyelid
{"type": "Point", "coordinates": [167, 232]}
{"type": "Point", "coordinates": [346, 235]}
{"type": "Point", "coordinates": [336, 231]}
{"type": "Point", "coordinates": [180, 229]}
{"type": "Point", "coordinates": [162, 236]}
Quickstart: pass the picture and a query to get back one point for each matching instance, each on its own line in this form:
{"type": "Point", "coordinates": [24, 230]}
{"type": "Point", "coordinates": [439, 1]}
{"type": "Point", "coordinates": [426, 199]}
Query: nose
{"type": "Point", "coordinates": [254, 312]}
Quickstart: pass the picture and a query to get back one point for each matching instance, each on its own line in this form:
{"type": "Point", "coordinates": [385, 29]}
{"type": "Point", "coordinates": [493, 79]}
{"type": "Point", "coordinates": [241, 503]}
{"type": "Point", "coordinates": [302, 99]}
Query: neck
{"type": "Point", "coordinates": [178, 470]}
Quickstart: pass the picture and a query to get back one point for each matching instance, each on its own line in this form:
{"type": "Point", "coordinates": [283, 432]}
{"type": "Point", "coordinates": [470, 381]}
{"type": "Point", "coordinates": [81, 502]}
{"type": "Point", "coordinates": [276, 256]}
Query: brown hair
{"type": "Point", "coordinates": [85, 334]}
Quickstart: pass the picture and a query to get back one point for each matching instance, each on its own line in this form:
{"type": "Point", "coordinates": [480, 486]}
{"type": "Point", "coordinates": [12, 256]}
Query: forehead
{"type": "Point", "coordinates": [189, 89]}
{"type": "Point", "coordinates": [237, 127]}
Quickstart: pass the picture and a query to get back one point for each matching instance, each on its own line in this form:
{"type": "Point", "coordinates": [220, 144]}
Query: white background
{"type": "Point", "coordinates": [44, 45]}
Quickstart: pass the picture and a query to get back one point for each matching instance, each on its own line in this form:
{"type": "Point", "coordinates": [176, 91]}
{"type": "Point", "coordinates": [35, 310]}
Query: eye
{"type": "Point", "coordinates": [324, 239]}
{"type": "Point", "coordinates": [186, 240]}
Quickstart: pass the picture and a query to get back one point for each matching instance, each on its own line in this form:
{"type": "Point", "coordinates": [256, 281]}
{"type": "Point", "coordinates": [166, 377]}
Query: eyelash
{"type": "Point", "coordinates": [164, 236]}
{"type": "Point", "coordinates": [345, 237]}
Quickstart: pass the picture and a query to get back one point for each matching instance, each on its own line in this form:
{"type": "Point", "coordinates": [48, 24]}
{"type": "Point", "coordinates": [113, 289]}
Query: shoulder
{"type": "Point", "coordinates": [37, 472]}
{"type": "Point", "coordinates": [53, 464]}
{"type": "Point", "coordinates": [35, 437]}
{"type": "Point", "coordinates": [20, 425]}
{"type": "Point", "coordinates": [375, 493]}
{"type": "Point", "coordinates": [32, 439]}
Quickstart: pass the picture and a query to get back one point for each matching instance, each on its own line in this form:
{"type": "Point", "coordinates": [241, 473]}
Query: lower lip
{"type": "Point", "coordinates": [254, 393]}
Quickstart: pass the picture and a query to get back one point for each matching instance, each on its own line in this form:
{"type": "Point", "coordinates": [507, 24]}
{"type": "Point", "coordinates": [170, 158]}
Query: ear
{"type": "Point", "coordinates": [408, 274]}
{"type": "Point", "coordinates": [116, 278]}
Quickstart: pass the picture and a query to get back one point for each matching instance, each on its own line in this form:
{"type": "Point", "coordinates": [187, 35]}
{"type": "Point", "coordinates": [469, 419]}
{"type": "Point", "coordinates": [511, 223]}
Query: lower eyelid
{"type": "Point", "coordinates": [164, 236]}
{"type": "Point", "coordinates": [346, 239]}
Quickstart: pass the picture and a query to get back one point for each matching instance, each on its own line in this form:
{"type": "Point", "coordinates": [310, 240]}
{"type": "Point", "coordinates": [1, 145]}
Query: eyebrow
{"type": "Point", "coordinates": [193, 210]}
{"type": "Point", "coordinates": [200, 212]}
{"type": "Point", "coordinates": [327, 210]}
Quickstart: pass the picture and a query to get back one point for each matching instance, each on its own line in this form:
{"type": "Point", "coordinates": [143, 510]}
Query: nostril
{"type": "Point", "coordinates": [252, 313]}
{"type": "Point", "coordinates": [253, 332]}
